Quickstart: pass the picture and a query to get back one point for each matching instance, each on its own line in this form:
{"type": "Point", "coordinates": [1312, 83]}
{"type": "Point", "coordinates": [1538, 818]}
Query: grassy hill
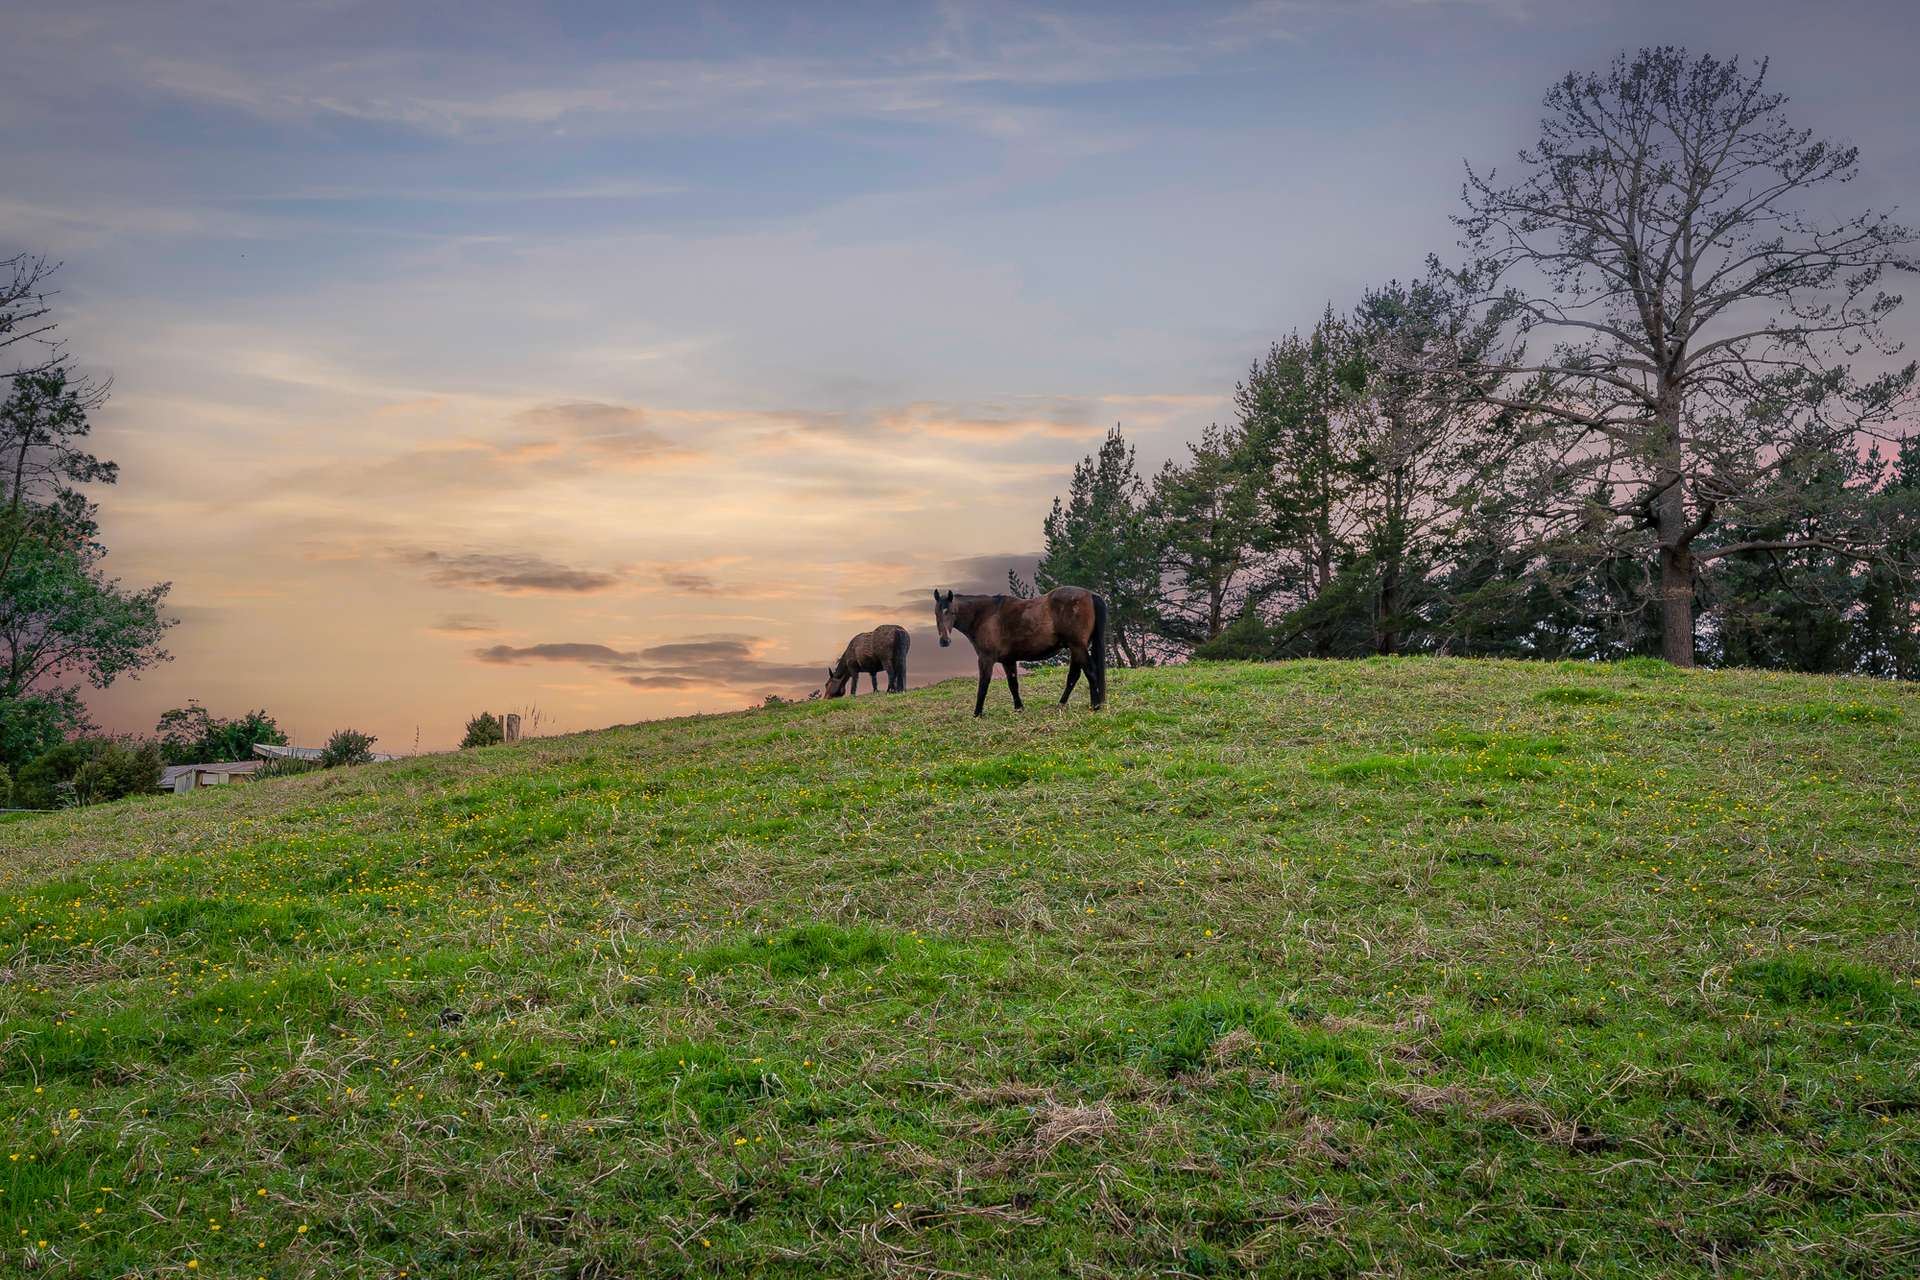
{"type": "Point", "coordinates": [1393, 967]}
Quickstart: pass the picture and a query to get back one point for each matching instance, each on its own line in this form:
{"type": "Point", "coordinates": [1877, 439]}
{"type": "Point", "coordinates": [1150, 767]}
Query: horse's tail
{"type": "Point", "coordinates": [897, 671]}
{"type": "Point", "coordinates": [1097, 653]}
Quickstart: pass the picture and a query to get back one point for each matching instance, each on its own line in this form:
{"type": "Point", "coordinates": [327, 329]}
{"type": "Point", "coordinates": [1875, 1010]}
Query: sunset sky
{"type": "Point", "coordinates": [466, 356]}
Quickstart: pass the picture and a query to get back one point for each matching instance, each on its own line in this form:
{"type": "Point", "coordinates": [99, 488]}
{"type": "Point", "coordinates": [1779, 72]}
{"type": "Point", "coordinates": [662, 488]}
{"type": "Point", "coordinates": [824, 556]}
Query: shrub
{"type": "Point", "coordinates": [483, 731]}
{"type": "Point", "coordinates": [285, 767]}
{"type": "Point", "coordinates": [47, 778]}
{"type": "Point", "coordinates": [345, 747]}
{"type": "Point", "coordinates": [118, 769]}
{"type": "Point", "coordinates": [88, 771]}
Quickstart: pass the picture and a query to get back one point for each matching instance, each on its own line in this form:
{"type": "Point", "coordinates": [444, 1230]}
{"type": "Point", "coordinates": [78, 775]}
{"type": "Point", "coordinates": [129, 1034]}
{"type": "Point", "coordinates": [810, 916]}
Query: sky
{"type": "Point", "coordinates": [621, 361]}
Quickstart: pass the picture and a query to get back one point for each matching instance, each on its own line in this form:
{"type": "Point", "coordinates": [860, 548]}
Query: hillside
{"type": "Point", "coordinates": [1392, 967]}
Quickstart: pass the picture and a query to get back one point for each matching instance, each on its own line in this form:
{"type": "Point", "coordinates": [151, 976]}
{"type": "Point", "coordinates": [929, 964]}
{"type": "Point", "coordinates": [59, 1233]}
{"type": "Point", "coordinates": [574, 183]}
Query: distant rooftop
{"type": "Point", "coordinates": [269, 751]}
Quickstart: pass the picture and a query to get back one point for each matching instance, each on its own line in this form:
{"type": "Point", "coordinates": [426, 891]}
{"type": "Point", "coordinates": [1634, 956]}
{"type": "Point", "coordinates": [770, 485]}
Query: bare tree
{"type": "Point", "coordinates": [26, 314]}
{"type": "Point", "coordinates": [1687, 314]}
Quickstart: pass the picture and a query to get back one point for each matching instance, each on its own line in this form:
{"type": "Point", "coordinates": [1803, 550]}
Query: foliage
{"type": "Point", "coordinates": [1683, 314]}
{"type": "Point", "coordinates": [1301, 461]}
{"type": "Point", "coordinates": [189, 735]}
{"type": "Point", "coordinates": [346, 747]}
{"type": "Point", "coordinates": [285, 767]}
{"type": "Point", "coordinates": [1098, 537]}
{"type": "Point", "coordinates": [1202, 517]}
{"type": "Point", "coordinates": [36, 722]}
{"type": "Point", "coordinates": [39, 783]}
{"type": "Point", "coordinates": [1226, 977]}
{"type": "Point", "coordinates": [87, 771]}
{"type": "Point", "coordinates": [1627, 426]}
{"type": "Point", "coordinates": [119, 768]}
{"type": "Point", "coordinates": [63, 622]}
{"type": "Point", "coordinates": [484, 730]}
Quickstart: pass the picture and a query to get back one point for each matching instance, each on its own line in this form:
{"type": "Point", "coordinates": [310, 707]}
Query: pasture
{"type": "Point", "coordinates": [1391, 967]}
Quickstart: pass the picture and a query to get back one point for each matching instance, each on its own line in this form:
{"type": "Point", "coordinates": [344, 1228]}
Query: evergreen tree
{"type": "Point", "coordinates": [1098, 538]}
{"type": "Point", "coordinates": [1291, 435]}
{"type": "Point", "coordinates": [1203, 517]}
{"type": "Point", "coordinates": [1416, 422]}
{"type": "Point", "coordinates": [485, 730]}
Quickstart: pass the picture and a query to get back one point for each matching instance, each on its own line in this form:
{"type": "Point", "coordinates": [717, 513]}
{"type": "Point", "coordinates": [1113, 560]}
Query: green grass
{"type": "Point", "coordinates": [1386, 968]}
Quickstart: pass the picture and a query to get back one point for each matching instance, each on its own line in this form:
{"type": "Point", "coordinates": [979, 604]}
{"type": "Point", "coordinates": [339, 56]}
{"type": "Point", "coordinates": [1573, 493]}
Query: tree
{"type": "Point", "coordinates": [1202, 516]}
{"type": "Point", "coordinates": [26, 323]}
{"type": "Point", "coordinates": [1687, 322]}
{"type": "Point", "coordinates": [118, 769]}
{"type": "Point", "coordinates": [484, 730]}
{"type": "Point", "coordinates": [63, 621]}
{"type": "Point", "coordinates": [189, 735]}
{"type": "Point", "coordinates": [1098, 538]}
{"type": "Point", "coordinates": [1415, 422]}
{"type": "Point", "coordinates": [347, 747]}
{"type": "Point", "coordinates": [43, 421]}
{"type": "Point", "coordinates": [1291, 435]}
{"type": "Point", "coordinates": [1885, 639]}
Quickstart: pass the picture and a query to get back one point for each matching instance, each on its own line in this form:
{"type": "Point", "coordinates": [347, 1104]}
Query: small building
{"type": "Point", "coordinates": [179, 778]}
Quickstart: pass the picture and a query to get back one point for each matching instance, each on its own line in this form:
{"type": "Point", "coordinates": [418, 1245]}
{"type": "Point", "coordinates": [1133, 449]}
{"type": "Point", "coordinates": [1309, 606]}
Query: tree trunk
{"type": "Point", "coordinates": [1676, 541]}
{"type": "Point", "coordinates": [1384, 638]}
{"type": "Point", "coordinates": [1676, 606]}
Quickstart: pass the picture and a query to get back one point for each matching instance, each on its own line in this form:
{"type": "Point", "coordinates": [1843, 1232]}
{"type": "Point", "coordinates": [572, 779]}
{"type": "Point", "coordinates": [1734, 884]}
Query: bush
{"type": "Point", "coordinates": [88, 771]}
{"type": "Point", "coordinates": [118, 769]}
{"type": "Point", "coordinates": [44, 780]}
{"type": "Point", "coordinates": [6, 788]}
{"type": "Point", "coordinates": [483, 731]}
{"type": "Point", "coordinates": [285, 767]}
{"type": "Point", "coordinates": [1247, 639]}
{"type": "Point", "coordinates": [345, 747]}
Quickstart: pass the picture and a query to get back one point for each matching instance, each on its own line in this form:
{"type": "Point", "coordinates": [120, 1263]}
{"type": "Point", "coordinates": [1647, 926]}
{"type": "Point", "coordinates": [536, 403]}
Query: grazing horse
{"type": "Point", "coordinates": [881, 649]}
{"type": "Point", "coordinates": [1009, 630]}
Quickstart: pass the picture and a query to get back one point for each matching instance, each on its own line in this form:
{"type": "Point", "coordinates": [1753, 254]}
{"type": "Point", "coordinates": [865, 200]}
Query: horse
{"type": "Point", "coordinates": [882, 649]}
{"type": "Point", "coordinates": [1008, 630]}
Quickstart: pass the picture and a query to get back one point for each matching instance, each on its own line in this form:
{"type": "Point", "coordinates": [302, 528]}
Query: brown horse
{"type": "Point", "coordinates": [1008, 630]}
{"type": "Point", "coordinates": [882, 649]}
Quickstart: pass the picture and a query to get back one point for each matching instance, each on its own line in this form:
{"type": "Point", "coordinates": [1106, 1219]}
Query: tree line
{"type": "Point", "coordinates": [1653, 409]}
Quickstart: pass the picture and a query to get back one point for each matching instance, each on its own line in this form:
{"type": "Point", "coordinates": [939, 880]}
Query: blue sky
{"type": "Point", "coordinates": [447, 330]}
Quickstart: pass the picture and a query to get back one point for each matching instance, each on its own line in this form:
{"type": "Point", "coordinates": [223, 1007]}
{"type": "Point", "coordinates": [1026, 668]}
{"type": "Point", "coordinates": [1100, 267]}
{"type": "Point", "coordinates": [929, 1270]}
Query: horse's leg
{"type": "Point", "coordinates": [875, 677]}
{"type": "Point", "coordinates": [1073, 676]}
{"type": "Point", "coordinates": [986, 678]}
{"type": "Point", "coordinates": [1013, 683]}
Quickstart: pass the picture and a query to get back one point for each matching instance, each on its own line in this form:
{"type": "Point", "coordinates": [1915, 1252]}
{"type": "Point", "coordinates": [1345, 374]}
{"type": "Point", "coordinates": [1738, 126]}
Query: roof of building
{"type": "Point", "coordinates": [273, 751]}
{"type": "Point", "coordinates": [232, 768]}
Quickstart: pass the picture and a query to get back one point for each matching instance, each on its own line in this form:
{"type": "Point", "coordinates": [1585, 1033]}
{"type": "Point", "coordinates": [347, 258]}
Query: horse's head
{"type": "Point", "coordinates": [837, 681]}
{"type": "Point", "coordinates": [943, 616]}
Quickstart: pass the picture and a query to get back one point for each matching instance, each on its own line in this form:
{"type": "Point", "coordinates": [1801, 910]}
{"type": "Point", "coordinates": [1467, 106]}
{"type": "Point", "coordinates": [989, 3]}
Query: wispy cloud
{"type": "Point", "coordinates": [968, 71]}
{"type": "Point", "coordinates": [506, 571]}
{"type": "Point", "coordinates": [465, 624]}
{"type": "Point", "coordinates": [711, 661]}
{"type": "Point", "coordinates": [697, 584]}
{"type": "Point", "coordinates": [1063, 419]}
